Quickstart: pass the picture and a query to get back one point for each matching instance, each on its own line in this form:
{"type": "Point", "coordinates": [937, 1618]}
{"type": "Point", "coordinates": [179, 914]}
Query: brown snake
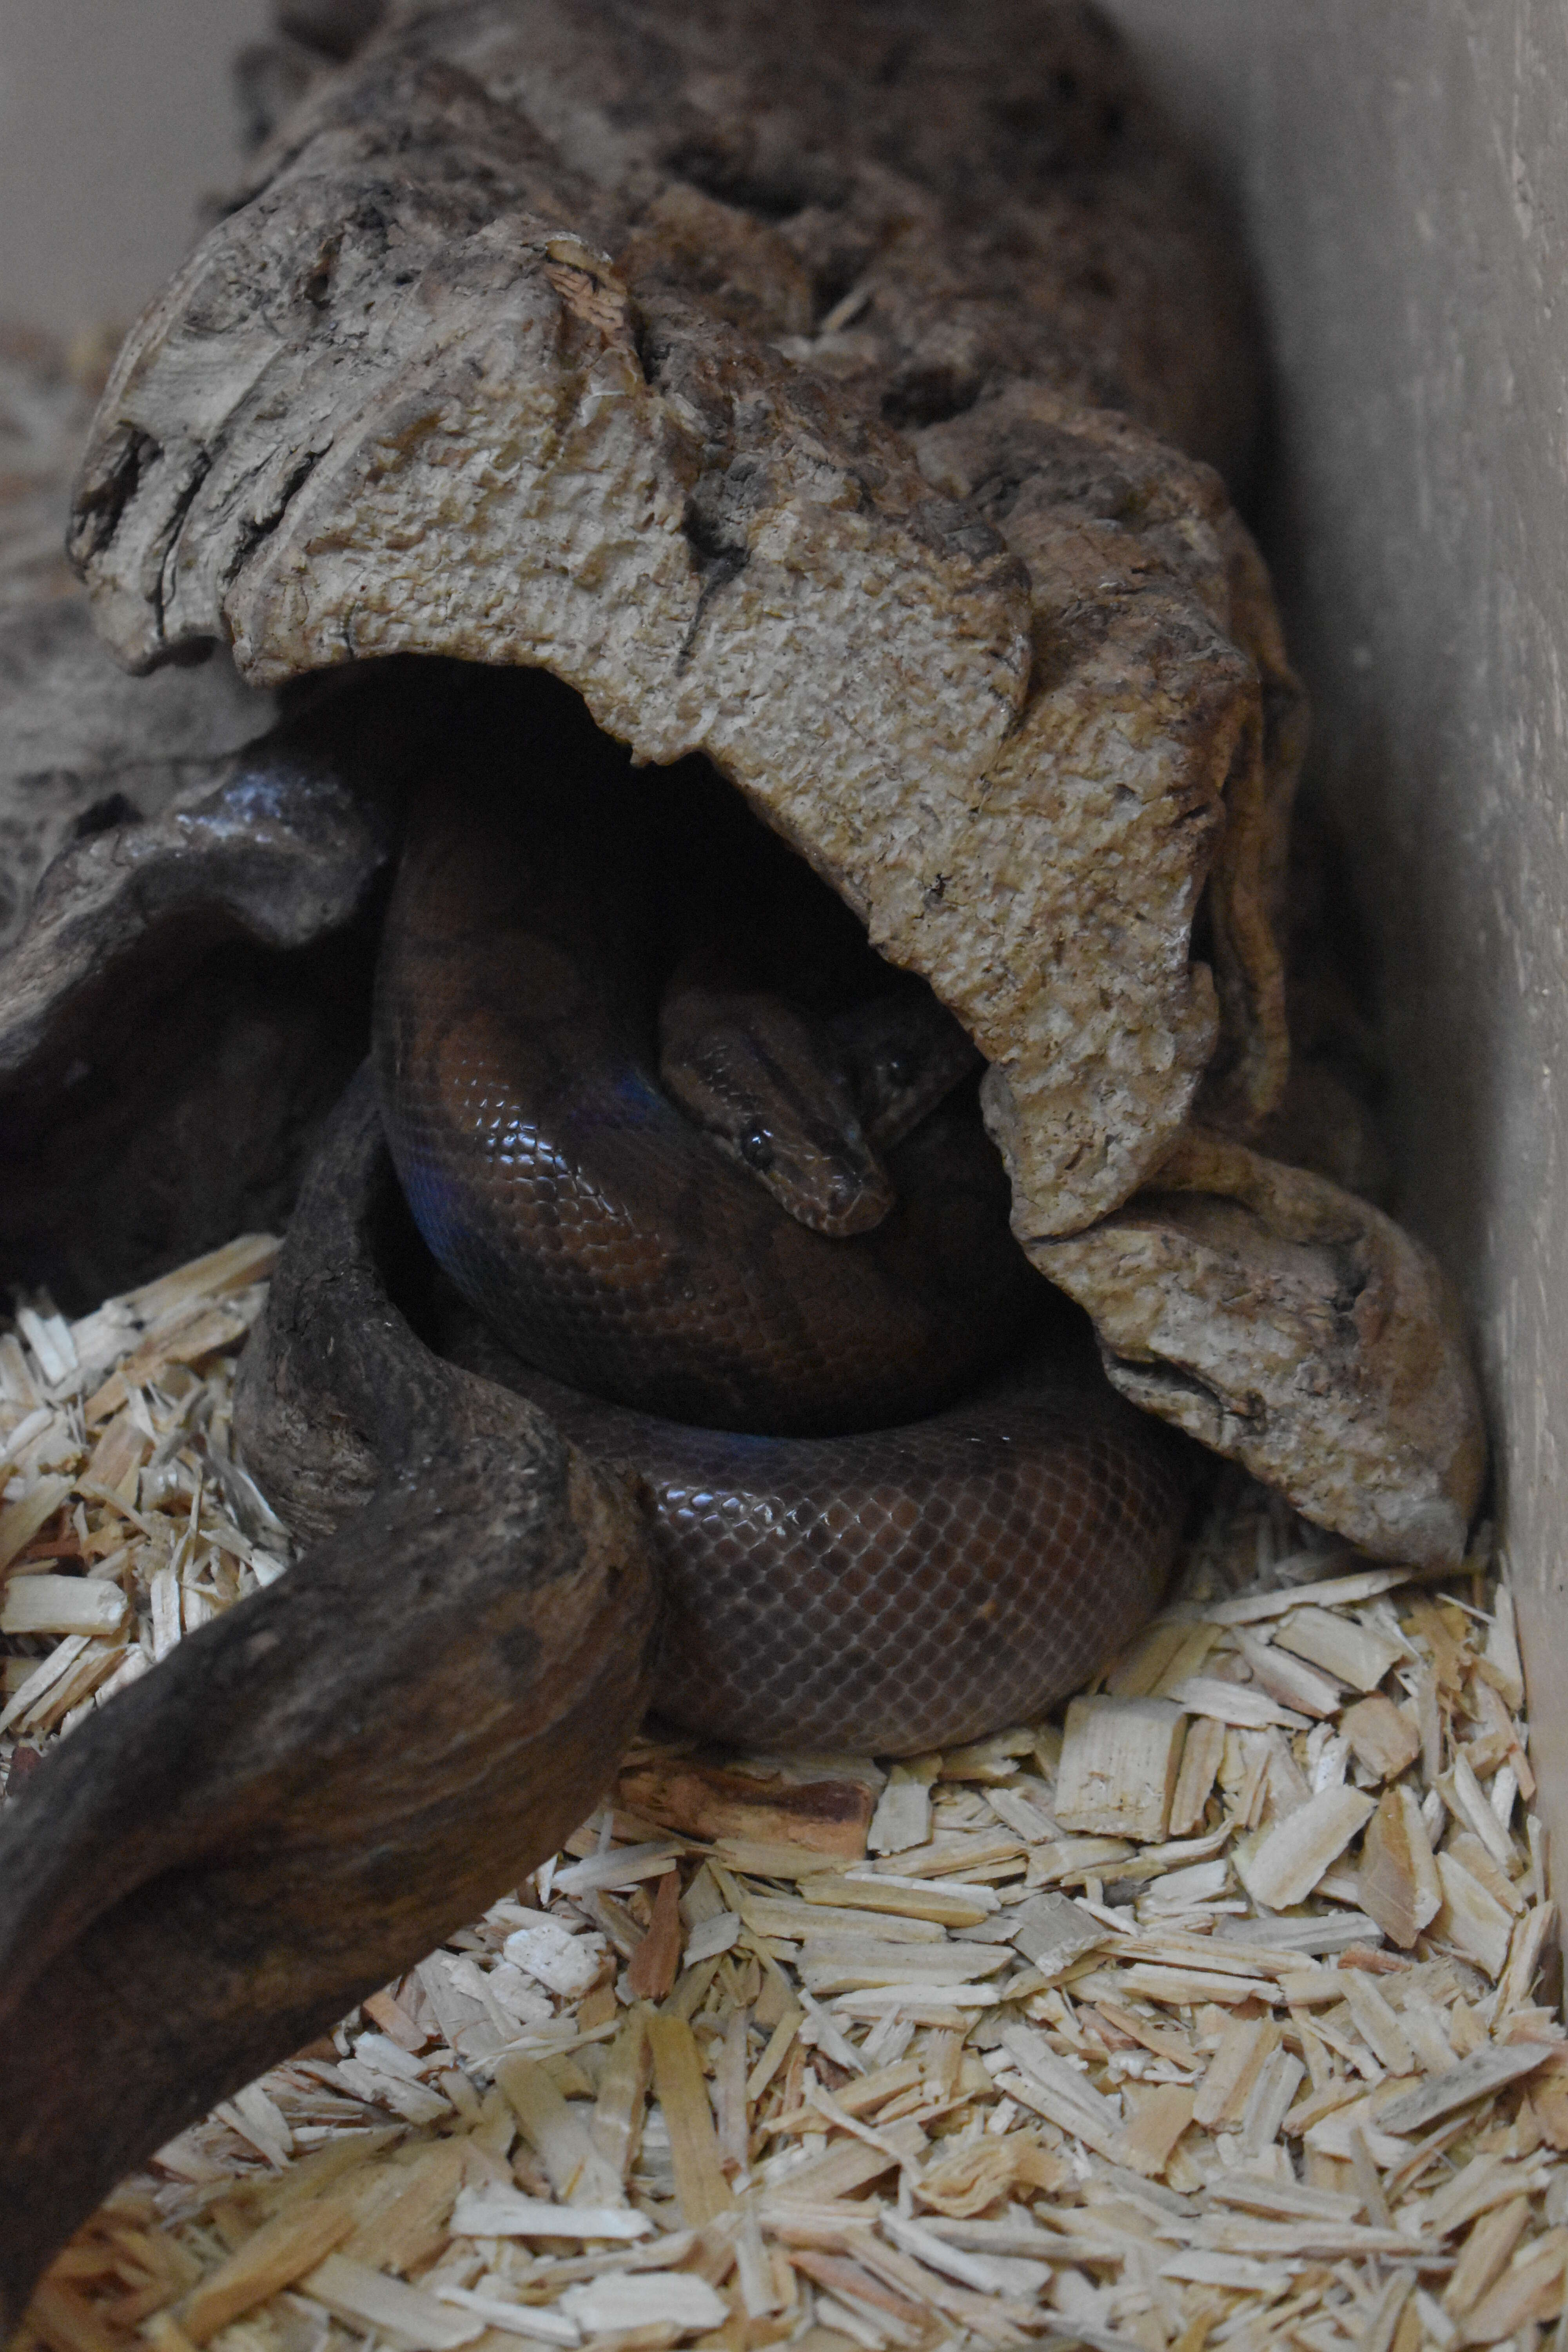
{"type": "Point", "coordinates": [316, 1787]}
{"type": "Point", "coordinates": [875, 1527]}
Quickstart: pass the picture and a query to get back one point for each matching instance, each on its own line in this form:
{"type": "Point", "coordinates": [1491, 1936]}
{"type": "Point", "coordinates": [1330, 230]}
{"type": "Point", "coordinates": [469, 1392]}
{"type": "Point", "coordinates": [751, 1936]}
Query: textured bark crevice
{"type": "Point", "coordinates": [190, 992]}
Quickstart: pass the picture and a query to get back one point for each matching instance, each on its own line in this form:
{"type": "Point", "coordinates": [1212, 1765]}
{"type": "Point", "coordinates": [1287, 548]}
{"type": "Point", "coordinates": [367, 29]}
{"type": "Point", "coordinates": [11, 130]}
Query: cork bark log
{"type": "Point", "coordinates": [515, 354]}
{"type": "Point", "coordinates": [804, 392]}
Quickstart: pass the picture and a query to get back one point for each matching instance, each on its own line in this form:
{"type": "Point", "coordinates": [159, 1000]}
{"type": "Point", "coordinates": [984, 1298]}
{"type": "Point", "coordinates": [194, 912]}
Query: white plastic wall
{"type": "Point", "coordinates": [115, 123]}
{"type": "Point", "coordinates": [1403, 173]}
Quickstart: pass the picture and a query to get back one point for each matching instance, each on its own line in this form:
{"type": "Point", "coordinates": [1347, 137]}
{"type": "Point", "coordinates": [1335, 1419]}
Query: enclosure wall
{"type": "Point", "coordinates": [1403, 179]}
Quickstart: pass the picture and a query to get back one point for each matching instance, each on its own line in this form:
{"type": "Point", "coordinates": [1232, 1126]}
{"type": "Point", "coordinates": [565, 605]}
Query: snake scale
{"type": "Point", "coordinates": [895, 1501]}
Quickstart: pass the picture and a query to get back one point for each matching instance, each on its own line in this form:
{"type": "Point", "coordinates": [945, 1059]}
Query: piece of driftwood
{"type": "Point", "coordinates": [1298, 1329]}
{"type": "Point", "coordinates": [83, 748]}
{"type": "Point", "coordinates": [521, 296]}
{"type": "Point", "coordinates": [753, 366]}
{"type": "Point", "coordinates": [317, 1785]}
{"type": "Point", "coordinates": [190, 992]}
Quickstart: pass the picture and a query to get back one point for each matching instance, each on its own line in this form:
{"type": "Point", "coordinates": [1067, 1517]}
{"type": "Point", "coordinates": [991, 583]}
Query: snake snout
{"type": "Point", "coordinates": [751, 1072]}
{"type": "Point", "coordinates": [857, 1201]}
{"type": "Point", "coordinates": [822, 1169]}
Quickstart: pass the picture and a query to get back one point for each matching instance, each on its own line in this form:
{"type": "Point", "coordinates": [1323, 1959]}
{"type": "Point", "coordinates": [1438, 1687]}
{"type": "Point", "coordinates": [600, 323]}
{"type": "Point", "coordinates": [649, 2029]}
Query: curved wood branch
{"type": "Point", "coordinates": [212, 1870]}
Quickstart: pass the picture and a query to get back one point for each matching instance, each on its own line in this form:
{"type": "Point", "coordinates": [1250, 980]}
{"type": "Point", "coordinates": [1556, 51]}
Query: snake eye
{"type": "Point", "coordinates": [901, 1067]}
{"type": "Point", "coordinates": [756, 1148]}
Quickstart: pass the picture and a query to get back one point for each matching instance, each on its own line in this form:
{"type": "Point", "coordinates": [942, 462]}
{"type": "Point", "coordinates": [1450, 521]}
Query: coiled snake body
{"type": "Point", "coordinates": [868, 1535]}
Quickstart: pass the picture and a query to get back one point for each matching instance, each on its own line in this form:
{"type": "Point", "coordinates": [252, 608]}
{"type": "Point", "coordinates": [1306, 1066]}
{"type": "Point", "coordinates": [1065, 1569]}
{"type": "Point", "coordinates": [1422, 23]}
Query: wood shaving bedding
{"type": "Point", "coordinates": [1210, 2015]}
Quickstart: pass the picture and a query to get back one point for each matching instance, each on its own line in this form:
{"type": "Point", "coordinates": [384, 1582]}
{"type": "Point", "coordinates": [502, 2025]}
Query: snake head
{"type": "Point", "coordinates": [753, 1075]}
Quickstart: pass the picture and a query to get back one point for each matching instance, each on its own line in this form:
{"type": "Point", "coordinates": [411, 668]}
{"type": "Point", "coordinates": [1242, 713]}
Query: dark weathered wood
{"type": "Point", "coordinates": [311, 1791]}
{"type": "Point", "coordinates": [190, 992]}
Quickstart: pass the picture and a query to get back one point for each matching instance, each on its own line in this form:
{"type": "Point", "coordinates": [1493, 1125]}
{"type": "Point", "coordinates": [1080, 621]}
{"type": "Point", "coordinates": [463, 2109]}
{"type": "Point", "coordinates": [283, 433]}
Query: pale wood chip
{"type": "Point", "coordinates": [1484, 2181]}
{"type": "Point", "coordinates": [610, 2304]}
{"type": "Point", "coordinates": [720, 1934]}
{"type": "Point", "coordinates": [1383, 1737]}
{"type": "Point", "coordinates": [405, 2318]}
{"type": "Point", "coordinates": [1353, 1653]}
{"type": "Point", "coordinates": [1073, 1861]}
{"type": "Point", "coordinates": [781, 1917]}
{"type": "Point", "coordinates": [989, 2274]}
{"type": "Point", "coordinates": [184, 1339]}
{"type": "Point", "coordinates": [1398, 1882]}
{"type": "Point", "coordinates": [578, 2171]}
{"type": "Point", "coordinates": [1470, 1854]}
{"type": "Point", "coordinates": [902, 1817]}
{"type": "Point", "coordinates": [1202, 1753]}
{"type": "Point", "coordinates": [21, 1520]}
{"type": "Point", "coordinates": [1488, 2247]}
{"type": "Point", "coordinates": [63, 1604]}
{"type": "Point", "coordinates": [1052, 1931]}
{"type": "Point", "coordinates": [1235, 1703]}
{"type": "Point", "coordinates": [1288, 1862]}
{"type": "Point", "coordinates": [1526, 1946]}
{"type": "Point", "coordinates": [849, 1964]}
{"type": "Point", "coordinates": [699, 2183]}
{"type": "Point", "coordinates": [1158, 2116]}
{"type": "Point", "coordinates": [1119, 1765]}
{"type": "Point", "coordinates": [772, 1858]}
{"type": "Point", "coordinates": [1238, 2270]}
{"type": "Point", "coordinates": [1139, 1671]}
{"type": "Point", "coordinates": [1228, 2079]}
{"type": "Point", "coordinates": [280, 2251]}
{"type": "Point", "coordinates": [1378, 2026]}
{"type": "Point", "coordinates": [1334, 1591]}
{"type": "Point", "coordinates": [996, 1757]}
{"type": "Point", "coordinates": [1288, 2200]}
{"type": "Point", "coordinates": [841, 2171]}
{"type": "Point", "coordinates": [1475, 2077]}
{"type": "Point", "coordinates": [908, 1897]}
{"type": "Point", "coordinates": [526, 2319]}
{"type": "Point", "coordinates": [1245, 1958]}
{"type": "Point", "coordinates": [1289, 1679]}
{"type": "Point", "coordinates": [1272, 2096]}
{"type": "Point", "coordinates": [1502, 1649]}
{"type": "Point", "coordinates": [1017, 1809]}
{"type": "Point", "coordinates": [494, 2211]}
{"type": "Point", "coordinates": [951, 1854]}
{"type": "Point", "coordinates": [249, 1258]}
{"type": "Point", "coordinates": [1358, 2111]}
{"type": "Point", "coordinates": [411, 2224]}
{"type": "Point", "coordinates": [616, 2124]}
{"type": "Point", "coordinates": [1469, 1919]}
{"type": "Point", "coordinates": [625, 1865]}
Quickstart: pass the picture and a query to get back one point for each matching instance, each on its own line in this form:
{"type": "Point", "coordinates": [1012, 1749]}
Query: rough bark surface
{"type": "Point", "coordinates": [722, 366]}
{"type": "Point", "coordinates": [1297, 1329]}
